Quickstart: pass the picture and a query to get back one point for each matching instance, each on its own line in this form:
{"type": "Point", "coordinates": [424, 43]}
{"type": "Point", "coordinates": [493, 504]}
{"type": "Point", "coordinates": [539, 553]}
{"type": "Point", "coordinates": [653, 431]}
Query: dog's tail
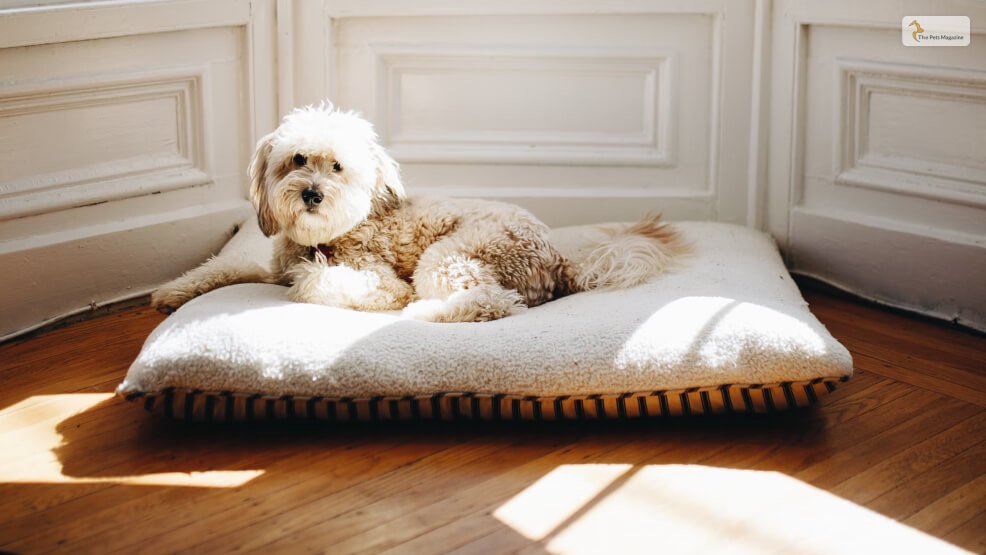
{"type": "Point", "coordinates": [629, 255]}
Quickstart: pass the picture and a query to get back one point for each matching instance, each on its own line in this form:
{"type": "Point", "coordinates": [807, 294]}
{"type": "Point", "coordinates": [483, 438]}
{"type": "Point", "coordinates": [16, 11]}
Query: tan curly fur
{"type": "Point", "coordinates": [363, 244]}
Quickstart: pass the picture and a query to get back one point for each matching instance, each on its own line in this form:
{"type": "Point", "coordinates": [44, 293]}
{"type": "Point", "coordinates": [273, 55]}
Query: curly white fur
{"type": "Point", "coordinates": [348, 236]}
{"type": "Point", "coordinates": [631, 255]}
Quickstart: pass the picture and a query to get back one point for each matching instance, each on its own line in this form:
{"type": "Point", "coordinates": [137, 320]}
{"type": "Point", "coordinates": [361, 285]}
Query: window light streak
{"type": "Point", "coordinates": [556, 497]}
{"type": "Point", "coordinates": [699, 509]}
{"type": "Point", "coordinates": [29, 441]}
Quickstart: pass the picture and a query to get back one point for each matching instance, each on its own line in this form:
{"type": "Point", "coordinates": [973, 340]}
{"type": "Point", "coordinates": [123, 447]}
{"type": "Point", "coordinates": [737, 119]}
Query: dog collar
{"type": "Point", "coordinates": [328, 250]}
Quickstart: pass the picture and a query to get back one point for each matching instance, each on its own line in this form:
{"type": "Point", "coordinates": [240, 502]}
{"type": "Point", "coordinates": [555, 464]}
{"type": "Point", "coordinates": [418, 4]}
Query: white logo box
{"type": "Point", "coordinates": [935, 30]}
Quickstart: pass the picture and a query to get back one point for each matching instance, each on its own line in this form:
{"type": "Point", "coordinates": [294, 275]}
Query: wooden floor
{"type": "Point", "coordinates": [82, 471]}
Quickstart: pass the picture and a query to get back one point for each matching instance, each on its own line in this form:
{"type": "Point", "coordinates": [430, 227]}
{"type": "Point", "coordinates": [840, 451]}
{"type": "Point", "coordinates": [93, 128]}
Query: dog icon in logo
{"type": "Point", "coordinates": [918, 29]}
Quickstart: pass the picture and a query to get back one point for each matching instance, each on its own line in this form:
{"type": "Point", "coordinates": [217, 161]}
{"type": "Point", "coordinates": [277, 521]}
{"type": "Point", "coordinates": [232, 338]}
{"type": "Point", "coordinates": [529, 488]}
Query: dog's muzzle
{"type": "Point", "coordinates": [312, 197]}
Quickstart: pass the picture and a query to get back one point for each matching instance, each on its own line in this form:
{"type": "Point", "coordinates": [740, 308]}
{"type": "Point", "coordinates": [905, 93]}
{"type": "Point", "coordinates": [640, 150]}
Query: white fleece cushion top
{"type": "Point", "coordinates": [730, 314]}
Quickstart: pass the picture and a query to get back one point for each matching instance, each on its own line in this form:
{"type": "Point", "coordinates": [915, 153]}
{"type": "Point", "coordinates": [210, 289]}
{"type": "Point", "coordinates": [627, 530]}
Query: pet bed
{"type": "Point", "coordinates": [728, 331]}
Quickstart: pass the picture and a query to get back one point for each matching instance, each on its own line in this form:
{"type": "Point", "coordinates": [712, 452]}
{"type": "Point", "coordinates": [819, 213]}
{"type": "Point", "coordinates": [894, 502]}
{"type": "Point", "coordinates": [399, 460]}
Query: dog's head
{"type": "Point", "coordinates": [320, 174]}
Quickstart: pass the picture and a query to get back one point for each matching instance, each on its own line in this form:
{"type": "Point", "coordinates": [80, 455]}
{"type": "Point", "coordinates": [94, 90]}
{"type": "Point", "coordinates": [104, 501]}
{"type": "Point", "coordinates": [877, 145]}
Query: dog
{"type": "Point", "coordinates": [347, 235]}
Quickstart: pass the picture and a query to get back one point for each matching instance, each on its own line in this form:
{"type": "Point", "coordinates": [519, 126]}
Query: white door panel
{"type": "Point", "coordinates": [878, 156]}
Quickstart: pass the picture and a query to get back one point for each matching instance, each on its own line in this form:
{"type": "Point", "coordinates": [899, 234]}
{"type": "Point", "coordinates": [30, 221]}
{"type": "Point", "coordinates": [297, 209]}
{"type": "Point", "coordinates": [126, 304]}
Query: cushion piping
{"type": "Point", "coordinates": [198, 405]}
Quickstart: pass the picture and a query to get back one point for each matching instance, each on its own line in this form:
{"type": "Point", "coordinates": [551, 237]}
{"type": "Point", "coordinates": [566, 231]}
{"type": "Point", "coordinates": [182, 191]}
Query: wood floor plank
{"type": "Point", "coordinates": [114, 337]}
{"type": "Point", "coordinates": [905, 466]}
{"type": "Point", "coordinates": [865, 392]}
{"type": "Point", "coordinates": [952, 510]}
{"type": "Point", "coordinates": [70, 360]}
{"type": "Point", "coordinates": [953, 355]}
{"type": "Point", "coordinates": [838, 424]}
{"type": "Point", "coordinates": [917, 333]}
{"type": "Point", "coordinates": [940, 413]}
{"type": "Point", "coordinates": [902, 366]}
{"type": "Point", "coordinates": [502, 540]}
{"type": "Point", "coordinates": [457, 534]}
{"type": "Point", "coordinates": [818, 451]}
{"type": "Point", "coordinates": [938, 357]}
{"type": "Point", "coordinates": [922, 379]}
{"type": "Point", "coordinates": [912, 495]}
{"type": "Point", "coordinates": [971, 535]}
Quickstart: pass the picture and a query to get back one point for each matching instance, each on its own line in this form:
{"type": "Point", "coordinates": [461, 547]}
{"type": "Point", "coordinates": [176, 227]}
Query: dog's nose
{"type": "Point", "coordinates": [311, 197]}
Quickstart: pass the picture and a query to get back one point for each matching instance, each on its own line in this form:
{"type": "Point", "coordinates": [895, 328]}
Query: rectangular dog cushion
{"type": "Point", "coordinates": [726, 331]}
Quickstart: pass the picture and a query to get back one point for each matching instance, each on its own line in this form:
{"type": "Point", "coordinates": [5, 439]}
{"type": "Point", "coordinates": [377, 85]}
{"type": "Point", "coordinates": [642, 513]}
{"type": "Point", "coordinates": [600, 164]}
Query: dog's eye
{"type": "Point", "coordinates": [337, 166]}
{"type": "Point", "coordinates": [300, 160]}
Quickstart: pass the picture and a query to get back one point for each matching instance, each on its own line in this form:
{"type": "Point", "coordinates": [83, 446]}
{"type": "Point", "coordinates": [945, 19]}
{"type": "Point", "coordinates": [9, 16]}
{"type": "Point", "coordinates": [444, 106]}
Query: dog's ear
{"type": "Point", "coordinates": [258, 186]}
{"type": "Point", "coordinates": [389, 184]}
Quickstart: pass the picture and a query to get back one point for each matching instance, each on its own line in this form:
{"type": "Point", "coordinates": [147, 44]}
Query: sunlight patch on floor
{"type": "Point", "coordinates": [699, 509]}
{"type": "Point", "coordinates": [556, 497]}
{"type": "Point", "coordinates": [30, 439]}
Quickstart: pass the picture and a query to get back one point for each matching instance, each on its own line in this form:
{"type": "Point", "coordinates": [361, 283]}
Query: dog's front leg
{"type": "Point", "coordinates": [368, 287]}
{"type": "Point", "coordinates": [216, 272]}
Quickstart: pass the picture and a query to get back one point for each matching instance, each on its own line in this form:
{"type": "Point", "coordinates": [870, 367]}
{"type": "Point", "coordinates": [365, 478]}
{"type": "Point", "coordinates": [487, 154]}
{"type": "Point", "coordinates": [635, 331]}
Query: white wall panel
{"type": "Point", "coordinates": [428, 98]}
{"type": "Point", "coordinates": [914, 130]}
{"type": "Point", "coordinates": [873, 143]}
{"type": "Point", "coordinates": [579, 113]}
{"type": "Point", "coordinates": [125, 131]}
{"type": "Point", "coordinates": [64, 146]}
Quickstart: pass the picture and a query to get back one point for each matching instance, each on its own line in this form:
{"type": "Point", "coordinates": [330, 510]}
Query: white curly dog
{"type": "Point", "coordinates": [348, 236]}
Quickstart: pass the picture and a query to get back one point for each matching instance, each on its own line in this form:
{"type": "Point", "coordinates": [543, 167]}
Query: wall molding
{"type": "Point", "coordinates": [113, 18]}
{"type": "Point", "coordinates": [508, 191]}
{"type": "Point", "coordinates": [402, 8]}
{"type": "Point", "coordinates": [654, 145]}
{"type": "Point", "coordinates": [942, 286]}
{"type": "Point", "coordinates": [118, 179]}
{"type": "Point", "coordinates": [857, 166]}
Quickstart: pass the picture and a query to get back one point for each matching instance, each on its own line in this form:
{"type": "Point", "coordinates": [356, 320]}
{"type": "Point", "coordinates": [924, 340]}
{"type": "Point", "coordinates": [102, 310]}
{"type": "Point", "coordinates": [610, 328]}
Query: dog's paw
{"type": "Point", "coordinates": [339, 286]}
{"type": "Point", "coordinates": [426, 310]}
{"type": "Point", "coordinates": [472, 305]}
{"type": "Point", "coordinates": [169, 297]}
